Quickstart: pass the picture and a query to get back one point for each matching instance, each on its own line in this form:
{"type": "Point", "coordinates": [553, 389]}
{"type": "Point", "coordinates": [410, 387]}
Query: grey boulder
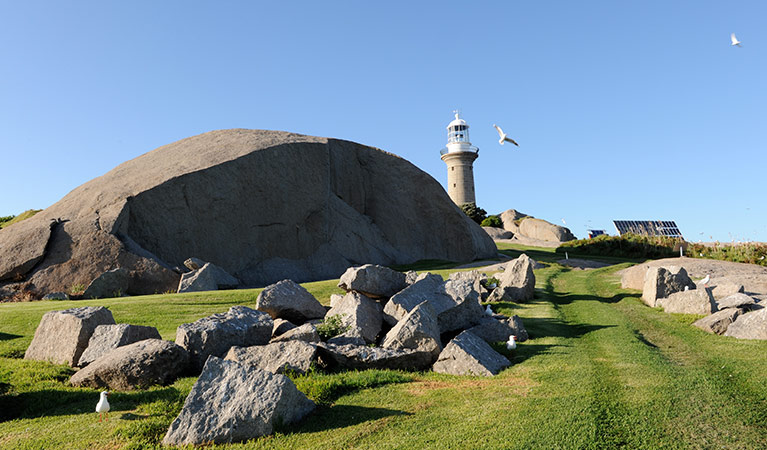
{"type": "Point", "coordinates": [276, 357]}
{"type": "Point", "coordinates": [362, 357]}
{"type": "Point", "coordinates": [134, 366]}
{"type": "Point", "coordinates": [193, 263]}
{"type": "Point", "coordinates": [696, 301]}
{"type": "Point", "coordinates": [233, 403]}
{"type": "Point", "coordinates": [306, 333]}
{"type": "Point", "coordinates": [373, 280]}
{"type": "Point", "coordinates": [106, 338]}
{"type": "Point", "coordinates": [358, 311]}
{"type": "Point", "coordinates": [112, 283]}
{"type": "Point", "coordinates": [215, 334]}
{"type": "Point", "coordinates": [737, 300]}
{"type": "Point", "coordinates": [467, 354]}
{"type": "Point", "coordinates": [56, 296]}
{"type": "Point", "coordinates": [660, 282]}
{"type": "Point", "coordinates": [498, 233]}
{"type": "Point", "coordinates": [418, 330]}
{"type": "Point", "coordinates": [62, 336]}
{"type": "Point", "coordinates": [209, 277]}
{"type": "Point", "coordinates": [492, 329]}
{"type": "Point", "coordinates": [290, 301]}
{"type": "Point", "coordinates": [752, 325]}
{"type": "Point", "coordinates": [723, 290]}
{"type": "Point", "coordinates": [718, 322]}
{"type": "Point", "coordinates": [281, 326]}
{"type": "Point", "coordinates": [516, 283]}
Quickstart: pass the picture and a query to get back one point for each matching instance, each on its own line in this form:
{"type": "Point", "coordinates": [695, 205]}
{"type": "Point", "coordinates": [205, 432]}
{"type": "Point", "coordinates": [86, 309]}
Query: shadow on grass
{"type": "Point", "coordinates": [339, 416]}
{"type": "Point", "coordinates": [8, 337]}
{"type": "Point", "coordinates": [565, 299]}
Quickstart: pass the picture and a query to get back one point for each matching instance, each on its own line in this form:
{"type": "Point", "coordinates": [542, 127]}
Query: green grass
{"type": "Point", "coordinates": [10, 220]}
{"type": "Point", "coordinates": [601, 370]}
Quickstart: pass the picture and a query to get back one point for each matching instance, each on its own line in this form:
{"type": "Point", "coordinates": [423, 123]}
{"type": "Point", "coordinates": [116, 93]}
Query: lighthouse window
{"type": "Point", "coordinates": [453, 169]}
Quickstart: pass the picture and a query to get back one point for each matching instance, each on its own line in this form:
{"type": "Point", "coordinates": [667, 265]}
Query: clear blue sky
{"type": "Point", "coordinates": [623, 110]}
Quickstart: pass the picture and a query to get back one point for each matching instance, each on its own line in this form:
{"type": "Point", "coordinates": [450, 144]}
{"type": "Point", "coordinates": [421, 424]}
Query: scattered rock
{"type": "Point", "coordinates": [660, 282]}
{"type": "Point", "coordinates": [334, 299]}
{"type": "Point", "coordinates": [362, 357]}
{"type": "Point", "coordinates": [280, 327]}
{"type": "Point", "coordinates": [498, 233]}
{"type": "Point", "coordinates": [56, 296]}
{"type": "Point", "coordinates": [737, 300]}
{"type": "Point", "coordinates": [722, 290]}
{"type": "Point", "coordinates": [214, 335]}
{"type": "Point", "coordinates": [751, 325]}
{"type": "Point", "coordinates": [113, 283]}
{"type": "Point", "coordinates": [62, 336]}
{"type": "Point", "coordinates": [517, 282]}
{"type": "Point", "coordinates": [276, 357]}
{"type": "Point", "coordinates": [418, 330]}
{"type": "Point", "coordinates": [134, 366]}
{"type": "Point", "coordinates": [233, 403]}
{"type": "Point", "coordinates": [209, 277]}
{"type": "Point", "coordinates": [467, 354]}
{"type": "Point", "coordinates": [429, 288]}
{"type": "Point", "coordinates": [290, 301]}
{"type": "Point", "coordinates": [106, 338]}
{"type": "Point", "coordinates": [373, 281]}
{"type": "Point", "coordinates": [695, 301]}
{"type": "Point", "coordinates": [353, 336]}
{"type": "Point", "coordinates": [194, 263]}
{"type": "Point", "coordinates": [492, 329]}
{"type": "Point", "coordinates": [411, 276]}
{"type": "Point", "coordinates": [306, 332]}
{"type": "Point", "coordinates": [718, 322]}
{"type": "Point", "coordinates": [360, 312]}
{"type": "Point", "coordinates": [465, 311]}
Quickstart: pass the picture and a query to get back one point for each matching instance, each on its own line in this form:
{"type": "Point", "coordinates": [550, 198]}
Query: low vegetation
{"type": "Point", "coordinates": [10, 220]}
{"type": "Point", "coordinates": [474, 212]}
{"type": "Point", "coordinates": [492, 221]}
{"type": "Point", "coordinates": [752, 253]}
{"type": "Point", "coordinates": [601, 370]}
{"type": "Point", "coordinates": [627, 245]}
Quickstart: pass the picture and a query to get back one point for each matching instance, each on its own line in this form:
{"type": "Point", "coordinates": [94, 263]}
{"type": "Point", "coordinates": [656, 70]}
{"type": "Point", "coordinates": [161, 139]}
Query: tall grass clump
{"type": "Point", "coordinates": [751, 253]}
{"type": "Point", "coordinates": [628, 246]}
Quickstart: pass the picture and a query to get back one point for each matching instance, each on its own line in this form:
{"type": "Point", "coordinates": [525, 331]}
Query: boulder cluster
{"type": "Point", "coordinates": [386, 320]}
{"type": "Point", "coordinates": [527, 229]}
{"type": "Point", "coordinates": [728, 310]}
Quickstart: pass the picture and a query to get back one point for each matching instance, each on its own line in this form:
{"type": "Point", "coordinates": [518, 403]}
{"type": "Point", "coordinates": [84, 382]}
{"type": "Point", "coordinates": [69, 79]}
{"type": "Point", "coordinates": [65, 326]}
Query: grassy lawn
{"type": "Point", "coordinates": [601, 370]}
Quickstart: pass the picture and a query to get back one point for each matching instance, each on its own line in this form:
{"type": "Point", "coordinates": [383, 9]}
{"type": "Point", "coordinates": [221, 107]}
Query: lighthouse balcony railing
{"type": "Point", "coordinates": [471, 149]}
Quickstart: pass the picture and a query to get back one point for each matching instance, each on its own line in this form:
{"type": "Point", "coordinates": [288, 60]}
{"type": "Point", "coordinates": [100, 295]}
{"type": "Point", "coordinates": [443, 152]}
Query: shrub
{"type": "Point", "coordinates": [331, 326]}
{"type": "Point", "coordinates": [627, 246]}
{"type": "Point", "coordinates": [752, 253]}
{"type": "Point", "coordinates": [474, 212]}
{"type": "Point", "coordinates": [492, 221]}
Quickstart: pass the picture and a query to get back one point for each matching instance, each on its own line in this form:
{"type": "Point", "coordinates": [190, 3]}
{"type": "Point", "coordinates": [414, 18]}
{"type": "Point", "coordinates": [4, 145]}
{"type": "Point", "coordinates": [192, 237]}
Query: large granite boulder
{"type": "Point", "coordinates": [722, 290]}
{"type": "Point", "coordinates": [276, 357]}
{"type": "Point", "coordinates": [511, 219]}
{"type": "Point", "coordinates": [233, 403]}
{"type": "Point", "coordinates": [737, 300]}
{"type": "Point", "coordinates": [214, 335]}
{"type": "Point", "coordinates": [498, 233]}
{"type": "Point", "coordinates": [62, 336]}
{"type": "Point", "coordinates": [209, 277]}
{"type": "Point", "coordinates": [349, 205]}
{"type": "Point", "coordinates": [359, 312]}
{"type": "Point", "coordinates": [373, 281]}
{"type": "Point", "coordinates": [134, 366]}
{"type": "Point", "coordinates": [466, 310]}
{"type": "Point", "coordinates": [492, 329]}
{"type": "Point", "coordinates": [106, 338]}
{"type": "Point", "coordinates": [752, 325]}
{"type": "Point", "coordinates": [417, 330]}
{"type": "Point", "coordinates": [112, 283]}
{"type": "Point", "coordinates": [695, 301]}
{"type": "Point", "coordinates": [306, 333]}
{"type": "Point", "coordinates": [718, 322]}
{"type": "Point", "coordinates": [660, 282]}
{"type": "Point", "coordinates": [290, 301]}
{"type": "Point", "coordinates": [544, 231]}
{"type": "Point", "coordinates": [467, 354]}
{"type": "Point", "coordinates": [516, 283]}
{"type": "Point", "coordinates": [363, 357]}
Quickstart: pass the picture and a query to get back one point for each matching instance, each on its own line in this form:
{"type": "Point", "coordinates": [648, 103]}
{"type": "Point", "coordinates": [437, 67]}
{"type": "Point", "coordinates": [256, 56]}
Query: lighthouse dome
{"type": "Point", "coordinates": [456, 122]}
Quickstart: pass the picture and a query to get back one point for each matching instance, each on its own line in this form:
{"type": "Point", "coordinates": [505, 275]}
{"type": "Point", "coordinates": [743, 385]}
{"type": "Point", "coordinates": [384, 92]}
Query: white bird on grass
{"type": "Point", "coordinates": [735, 40]}
{"type": "Point", "coordinates": [511, 344]}
{"type": "Point", "coordinates": [504, 137]}
{"type": "Point", "coordinates": [705, 281]}
{"type": "Point", "coordinates": [488, 311]}
{"type": "Point", "coordinates": [102, 407]}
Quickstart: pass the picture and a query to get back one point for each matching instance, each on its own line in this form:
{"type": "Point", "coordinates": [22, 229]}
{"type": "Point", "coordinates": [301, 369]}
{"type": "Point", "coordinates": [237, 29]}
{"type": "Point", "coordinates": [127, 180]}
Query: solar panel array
{"type": "Point", "coordinates": [666, 228]}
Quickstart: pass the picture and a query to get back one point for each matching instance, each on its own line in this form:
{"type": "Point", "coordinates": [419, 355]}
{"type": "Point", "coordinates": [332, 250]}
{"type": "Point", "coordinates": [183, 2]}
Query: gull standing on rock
{"type": "Point", "coordinates": [504, 137]}
{"type": "Point", "coordinates": [102, 407]}
{"type": "Point", "coordinates": [705, 281]}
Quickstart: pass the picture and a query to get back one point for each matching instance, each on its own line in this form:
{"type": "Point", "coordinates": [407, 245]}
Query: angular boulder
{"type": "Point", "coordinates": [467, 354]}
{"type": "Point", "coordinates": [209, 277]}
{"type": "Point", "coordinates": [56, 296]}
{"type": "Point", "coordinates": [281, 326]}
{"type": "Point", "coordinates": [134, 366]}
{"type": "Point", "coordinates": [112, 283]}
{"type": "Point", "coordinates": [723, 290]}
{"type": "Point", "coordinates": [418, 330]}
{"type": "Point", "coordinates": [516, 283]}
{"type": "Point", "coordinates": [373, 280]}
{"type": "Point", "coordinates": [349, 204]}
{"type": "Point", "coordinates": [737, 300]}
{"type": "Point", "coordinates": [511, 219]}
{"type": "Point", "coordinates": [62, 336]}
{"type": "Point", "coordinates": [193, 263]}
{"type": "Point", "coordinates": [751, 325]}
{"type": "Point", "coordinates": [362, 357]}
{"type": "Point", "coordinates": [233, 403]}
{"type": "Point", "coordinates": [359, 312]}
{"type": "Point", "coordinates": [491, 329]}
{"type": "Point", "coordinates": [306, 333]}
{"type": "Point", "coordinates": [660, 282]}
{"type": "Point", "coordinates": [498, 233]}
{"type": "Point", "coordinates": [696, 301]}
{"type": "Point", "coordinates": [428, 288]}
{"type": "Point", "coordinates": [276, 357]}
{"type": "Point", "coordinates": [290, 301]}
{"type": "Point", "coordinates": [466, 310]}
{"type": "Point", "coordinates": [106, 338]}
{"type": "Point", "coordinates": [718, 322]}
{"type": "Point", "coordinates": [214, 335]}
{"type": "Point", "coordinates": [544, 231]}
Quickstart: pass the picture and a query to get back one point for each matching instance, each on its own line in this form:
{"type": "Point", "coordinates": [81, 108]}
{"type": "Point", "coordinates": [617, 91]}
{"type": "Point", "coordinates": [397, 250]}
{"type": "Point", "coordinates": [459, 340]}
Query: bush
{"type": "Point", "coordinates": [474, 212]}
{"type": "Point", "coordinates": [751, 253]}
{"type": "Point", "coordinates": [331, 326]}
{"type": "Point", "coordinates": [492, 221]}
{"type": "Point", "coordinates": [627, 246]}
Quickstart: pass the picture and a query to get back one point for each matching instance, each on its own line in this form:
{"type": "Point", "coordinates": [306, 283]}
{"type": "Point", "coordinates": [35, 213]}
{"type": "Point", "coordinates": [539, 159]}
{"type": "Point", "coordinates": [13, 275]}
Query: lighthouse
{"type": "Point", "coordinates": [459, 155]}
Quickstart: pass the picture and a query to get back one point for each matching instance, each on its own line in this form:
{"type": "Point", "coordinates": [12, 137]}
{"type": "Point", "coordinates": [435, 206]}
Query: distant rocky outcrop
{"type": "Point", "coordinates": [529, 230]}
{"type": "Point", "coordinates": [262, 205]}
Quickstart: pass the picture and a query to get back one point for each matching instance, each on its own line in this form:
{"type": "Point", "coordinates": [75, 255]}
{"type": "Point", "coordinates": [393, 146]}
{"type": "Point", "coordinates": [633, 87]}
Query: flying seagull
{"type": "Point", "coordinates": [735, 40]}
{"type": "Point", "coordinates": [503, 136]}
{"type": "Point", "coordinates": [102, 407]}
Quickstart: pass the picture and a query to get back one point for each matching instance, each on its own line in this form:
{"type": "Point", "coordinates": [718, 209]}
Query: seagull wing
{"type": "Point", "coordinates": [734, 40]}
{"type": "Point", "coordinates": [511, 140]}
{"type": "Point", "coordinates": [498, 129]}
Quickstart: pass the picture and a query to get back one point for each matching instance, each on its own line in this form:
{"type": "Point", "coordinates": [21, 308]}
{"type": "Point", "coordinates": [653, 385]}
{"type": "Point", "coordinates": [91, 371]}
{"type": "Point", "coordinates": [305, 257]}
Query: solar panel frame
{"type": "Point", "coordinates": [666, 228]}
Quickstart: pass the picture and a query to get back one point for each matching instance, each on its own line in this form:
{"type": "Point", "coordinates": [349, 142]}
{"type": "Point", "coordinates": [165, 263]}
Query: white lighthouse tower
{"type": "Point", "coordinates": [459, 155]}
